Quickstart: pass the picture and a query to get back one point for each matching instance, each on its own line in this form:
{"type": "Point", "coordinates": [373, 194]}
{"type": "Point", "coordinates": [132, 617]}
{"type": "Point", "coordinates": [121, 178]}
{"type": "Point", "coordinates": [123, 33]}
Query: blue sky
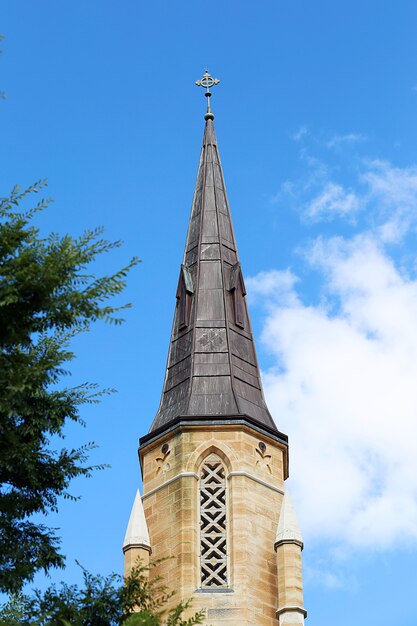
{"type": "Point", "coordinates": [316, 121]}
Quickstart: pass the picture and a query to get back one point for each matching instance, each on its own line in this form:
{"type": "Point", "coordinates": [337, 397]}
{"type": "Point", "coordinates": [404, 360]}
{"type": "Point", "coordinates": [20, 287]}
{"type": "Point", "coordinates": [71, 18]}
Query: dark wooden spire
{"type": "Point", "coordinates": [212, 372]}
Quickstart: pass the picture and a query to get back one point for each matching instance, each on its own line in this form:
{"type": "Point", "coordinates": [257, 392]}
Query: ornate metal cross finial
{"type": "Point", "coordinates": [207, 81]}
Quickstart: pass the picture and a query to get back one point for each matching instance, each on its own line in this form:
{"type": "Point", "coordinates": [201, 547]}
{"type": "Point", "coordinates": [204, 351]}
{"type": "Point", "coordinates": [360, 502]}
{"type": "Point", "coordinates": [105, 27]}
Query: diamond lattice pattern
{"type": "Point", "coordinates": [213, 523]}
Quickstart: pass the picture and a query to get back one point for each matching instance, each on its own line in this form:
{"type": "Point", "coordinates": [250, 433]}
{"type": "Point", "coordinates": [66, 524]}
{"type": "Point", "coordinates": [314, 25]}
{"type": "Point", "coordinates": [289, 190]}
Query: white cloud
{"type": "Point", "coordinates": [349, 138]}
{"type": "Point", "coordinates": [394, 191]}
{"type": "Point", "coordinates": [386, 194]}
{"type": "Point", "coordinates": [300, 133]}
{"type": "Point", "coordinates": [333, 200]}
{"type": "Point", "coordinates": [321, 576]}
{"type": "Point", "coordinates": [343, 384]}
{"type": "Point", "coordinates": [274, 284]}
{"type": "Point", "coordinates": [344, 389]}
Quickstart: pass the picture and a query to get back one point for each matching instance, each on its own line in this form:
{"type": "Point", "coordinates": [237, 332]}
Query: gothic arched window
{"type": "Point", "coordinates": [213, 522]}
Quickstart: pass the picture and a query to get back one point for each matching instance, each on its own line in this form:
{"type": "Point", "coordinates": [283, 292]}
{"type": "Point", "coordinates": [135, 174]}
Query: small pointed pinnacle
{"type": "Point", "coordinates": [137, 530]}
{"type": "Point", "coordinates": [288, 530]}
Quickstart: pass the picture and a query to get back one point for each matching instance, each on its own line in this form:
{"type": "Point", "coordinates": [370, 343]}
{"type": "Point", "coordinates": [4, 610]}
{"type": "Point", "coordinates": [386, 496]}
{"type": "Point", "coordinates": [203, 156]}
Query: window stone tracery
{"type": "Point", "coordinates": [213, 522]}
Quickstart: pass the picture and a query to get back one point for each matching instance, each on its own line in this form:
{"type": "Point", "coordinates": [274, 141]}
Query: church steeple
{"type": "Point", "coordinates": [213, 462]}
{"type": "Point", "coordinates": [212, 371]}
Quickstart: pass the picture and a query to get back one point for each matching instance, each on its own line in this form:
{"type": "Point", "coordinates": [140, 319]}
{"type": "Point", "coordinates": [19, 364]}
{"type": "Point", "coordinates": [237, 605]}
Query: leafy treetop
{"type": "Point", "coordinates": [140, 600]}
{"type": "Point", "coordinates": [48, 295]}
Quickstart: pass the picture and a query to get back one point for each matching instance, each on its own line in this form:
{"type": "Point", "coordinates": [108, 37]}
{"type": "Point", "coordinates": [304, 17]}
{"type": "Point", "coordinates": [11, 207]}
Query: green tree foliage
{"type": "Point", "coordinates": [102, 601]}
{"type": "Point", "coordinates": [48, 294]}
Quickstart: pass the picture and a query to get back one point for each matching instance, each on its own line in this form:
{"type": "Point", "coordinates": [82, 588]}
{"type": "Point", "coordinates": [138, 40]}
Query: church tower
{"type": "Point", "coordinates": [214, 463]}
